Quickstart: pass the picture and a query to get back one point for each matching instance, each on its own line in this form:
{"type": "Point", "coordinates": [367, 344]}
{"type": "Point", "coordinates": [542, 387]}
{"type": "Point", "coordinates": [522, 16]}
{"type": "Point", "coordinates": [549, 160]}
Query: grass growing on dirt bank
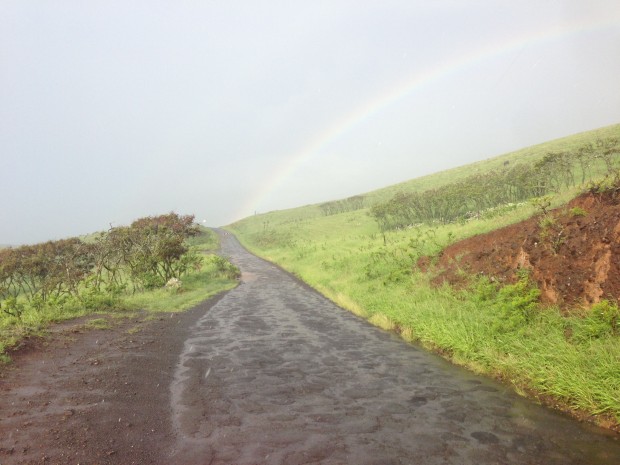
{"type": "Point", "coordinates": [215, 275]}
{"type": "Point", "coordinates": [567, 361]}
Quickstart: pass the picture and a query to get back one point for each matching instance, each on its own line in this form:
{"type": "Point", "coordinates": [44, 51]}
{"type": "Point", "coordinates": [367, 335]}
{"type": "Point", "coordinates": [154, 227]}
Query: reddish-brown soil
{"type": "Point", "coordinates": [93, 396]}
{"type": "Point", "coordinates": [573, 253]}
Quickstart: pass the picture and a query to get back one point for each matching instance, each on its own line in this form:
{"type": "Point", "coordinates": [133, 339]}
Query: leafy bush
{"type": "Point", "coordinates": [610, 184]}
{"type": "Point", "coordinates": [223, 267]}
{"type": "Point", "coordinates": [471, 197]}
{"type": "Point", "coordinates": [97, 299]}
{"type": "Point", "coordinates": [517, 303]}
{"type": "Point", "coordinates": [601, 321]}
{"type": "Point", "coordinates": [485, 289]}
{"type": "Point", "coordinates": [11, 307]}
{"type": "Point", "coordinates": [150, 280]}
{"type": "Point", "coordinates": [206, 239]}
{"type": "Point", "coordinates": [578, 211]}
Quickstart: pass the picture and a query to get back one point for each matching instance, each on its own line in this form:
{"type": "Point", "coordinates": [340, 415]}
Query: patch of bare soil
{"type": "Point", "coordinates": [573, 253]}
{"type": "Point", "coordinates": [93, 396]}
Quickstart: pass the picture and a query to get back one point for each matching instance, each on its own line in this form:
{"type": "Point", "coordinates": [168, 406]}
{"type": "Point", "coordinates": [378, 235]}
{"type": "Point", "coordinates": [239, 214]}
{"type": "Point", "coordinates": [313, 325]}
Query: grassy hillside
{"type": "Point", "coordinates": [502, 333]}
{"type": "Point", "coordinates": [526, 155]}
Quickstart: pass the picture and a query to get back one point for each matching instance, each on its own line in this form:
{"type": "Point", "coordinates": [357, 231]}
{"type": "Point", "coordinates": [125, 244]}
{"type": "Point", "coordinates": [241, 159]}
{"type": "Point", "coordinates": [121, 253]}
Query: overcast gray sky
{"type": "Point", "coordinates": [113, 110]}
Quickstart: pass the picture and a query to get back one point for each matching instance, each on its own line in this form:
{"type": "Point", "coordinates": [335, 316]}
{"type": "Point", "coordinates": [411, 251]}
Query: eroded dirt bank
{"type": "Point", "coordinates": [573, 253]}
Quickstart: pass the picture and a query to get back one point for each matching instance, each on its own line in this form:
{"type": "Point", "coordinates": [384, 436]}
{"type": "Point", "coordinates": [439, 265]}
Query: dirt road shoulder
{"type": "Point", "coordinates": [94, 396]}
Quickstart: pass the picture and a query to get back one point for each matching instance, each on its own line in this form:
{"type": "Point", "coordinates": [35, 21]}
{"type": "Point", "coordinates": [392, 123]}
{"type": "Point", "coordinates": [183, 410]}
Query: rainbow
{"type": "Point", "coordinates": [401, 90]}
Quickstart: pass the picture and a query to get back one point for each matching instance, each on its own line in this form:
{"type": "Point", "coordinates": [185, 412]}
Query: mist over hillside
{"type": "Point", "coordinates": [527, 155]}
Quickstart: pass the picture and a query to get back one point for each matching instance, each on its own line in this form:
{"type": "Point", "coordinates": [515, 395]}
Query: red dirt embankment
{"type": "Point", "coordinates": [573, 252]}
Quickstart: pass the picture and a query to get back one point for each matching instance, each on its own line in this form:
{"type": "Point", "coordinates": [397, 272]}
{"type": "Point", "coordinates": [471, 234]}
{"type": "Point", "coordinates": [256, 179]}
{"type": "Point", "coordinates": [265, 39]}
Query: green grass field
{"type": "Point", "coordinates": [489, 331]}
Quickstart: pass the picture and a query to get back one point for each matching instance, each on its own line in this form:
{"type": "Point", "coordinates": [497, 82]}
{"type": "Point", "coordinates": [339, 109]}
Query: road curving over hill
{"type": "Point", "coordinates": [269, 373]}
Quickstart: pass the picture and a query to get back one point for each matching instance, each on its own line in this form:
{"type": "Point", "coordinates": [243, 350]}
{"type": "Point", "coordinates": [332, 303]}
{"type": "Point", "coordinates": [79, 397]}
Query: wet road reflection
{"type": "Point", "coordinates": [274, 373]}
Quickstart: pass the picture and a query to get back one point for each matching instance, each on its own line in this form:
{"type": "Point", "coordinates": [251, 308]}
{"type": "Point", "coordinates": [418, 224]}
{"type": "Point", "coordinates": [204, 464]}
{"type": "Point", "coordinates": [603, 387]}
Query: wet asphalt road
{"type": "Point", "coordinates": [276, 374]}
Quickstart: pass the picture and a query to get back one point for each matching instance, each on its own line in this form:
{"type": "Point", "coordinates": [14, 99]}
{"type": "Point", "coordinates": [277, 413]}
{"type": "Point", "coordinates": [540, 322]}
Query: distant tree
{"type": "Point", "coordinates": [340, 206]}
{"type": "Point", "coordinates": [42, 270]}
{"type": "Point", "coordinates": [9, 283]}
{"type": "Point", "coordinates": [608, 151]}
{"type": "Point", "coordinates": [158, 248]}
{"type": "Point", "coordinates": [584, 157]}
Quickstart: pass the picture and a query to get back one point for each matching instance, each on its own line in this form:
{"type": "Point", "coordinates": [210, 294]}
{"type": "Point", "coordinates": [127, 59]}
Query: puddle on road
{"type": "Point", "coordinates": [248, 277]}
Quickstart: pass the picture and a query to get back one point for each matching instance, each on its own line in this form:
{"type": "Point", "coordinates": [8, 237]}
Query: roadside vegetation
{"type": "Point", "coordinates": [377, 259]}
{"type": "Point", "coordinates": [159, 263]}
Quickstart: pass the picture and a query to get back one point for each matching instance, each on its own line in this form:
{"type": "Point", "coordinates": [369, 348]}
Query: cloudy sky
{"type": "Point", "coordinates": [113, 110]}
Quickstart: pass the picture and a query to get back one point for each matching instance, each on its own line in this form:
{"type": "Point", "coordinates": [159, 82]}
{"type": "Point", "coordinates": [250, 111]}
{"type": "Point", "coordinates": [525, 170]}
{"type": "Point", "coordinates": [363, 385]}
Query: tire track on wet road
{"type": "Point", "coordinates": [274, 373]}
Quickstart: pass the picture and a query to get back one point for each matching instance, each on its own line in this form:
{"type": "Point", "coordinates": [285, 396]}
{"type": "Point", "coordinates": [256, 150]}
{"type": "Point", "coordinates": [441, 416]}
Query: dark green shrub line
{"type": "Point", "coordinates": [137, 267]}
{"type": "Point", "coordinates": [341, 206]}
{"type": "Point", "coordinates": [145, 255]}
{"type": "Point", "coordinates": [471, 197]}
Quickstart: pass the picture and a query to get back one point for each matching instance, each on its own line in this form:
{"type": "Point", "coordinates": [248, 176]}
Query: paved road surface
{"type": "Point", "coordinates": [276, 374]}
